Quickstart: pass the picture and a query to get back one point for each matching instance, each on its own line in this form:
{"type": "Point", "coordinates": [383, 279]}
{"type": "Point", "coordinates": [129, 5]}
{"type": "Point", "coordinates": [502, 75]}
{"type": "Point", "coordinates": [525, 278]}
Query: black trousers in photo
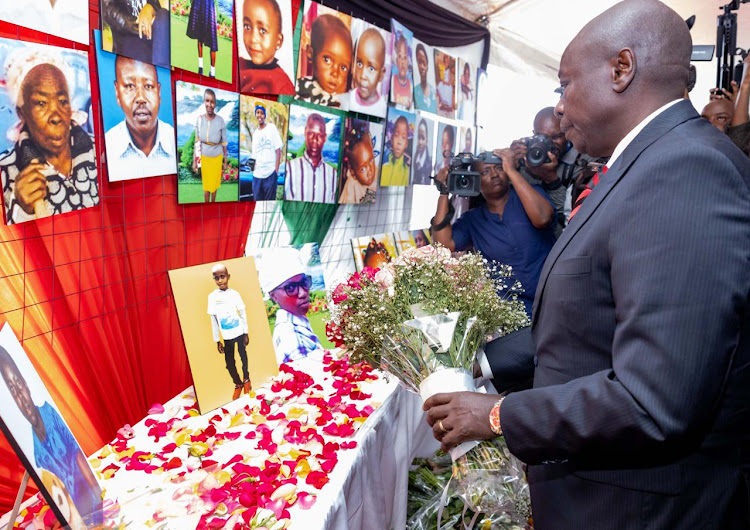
{"type": "Point", "coordinates": [229, 358]}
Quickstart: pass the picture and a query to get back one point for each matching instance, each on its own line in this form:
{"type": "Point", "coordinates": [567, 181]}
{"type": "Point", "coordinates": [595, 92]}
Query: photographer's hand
{"type": "Point", "coordinates": [742, 104]}
{"type": "Point", "coordinates": [519, 149]}
{"type": "Point", "coordinates": [547, 173]}
{"type": "Point", "coordinates": [537, 207]}
{"type": "Point", "coordinates": [444, 236]}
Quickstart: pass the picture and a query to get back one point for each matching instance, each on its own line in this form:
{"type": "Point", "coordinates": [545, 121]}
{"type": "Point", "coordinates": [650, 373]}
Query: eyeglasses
{"type": "Point", "coordinates": [292, 288]}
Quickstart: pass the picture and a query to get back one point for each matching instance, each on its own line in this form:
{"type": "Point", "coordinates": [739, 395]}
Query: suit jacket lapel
{"type": "Point", "coordinates": [658, 127]}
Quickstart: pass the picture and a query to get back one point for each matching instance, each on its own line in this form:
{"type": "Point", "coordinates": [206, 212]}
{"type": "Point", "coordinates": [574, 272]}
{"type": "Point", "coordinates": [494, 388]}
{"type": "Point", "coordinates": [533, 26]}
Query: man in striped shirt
{"type": "Point", "coordinates": [309, 178]}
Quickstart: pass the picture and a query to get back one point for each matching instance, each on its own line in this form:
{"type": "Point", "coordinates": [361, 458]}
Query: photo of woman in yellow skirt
{"type": "Point", "coordinates": [211, 139]}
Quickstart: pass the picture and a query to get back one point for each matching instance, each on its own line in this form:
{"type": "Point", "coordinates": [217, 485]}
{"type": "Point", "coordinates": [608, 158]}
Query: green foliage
{"type": "Point", "coordinates": [187, 152]}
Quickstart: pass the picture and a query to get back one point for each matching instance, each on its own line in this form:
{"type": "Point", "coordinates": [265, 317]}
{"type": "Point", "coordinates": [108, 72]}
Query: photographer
{"type": "Point", "coordinates": [513, 226]}
{"type": "Point", "coordinates": [562, 168]}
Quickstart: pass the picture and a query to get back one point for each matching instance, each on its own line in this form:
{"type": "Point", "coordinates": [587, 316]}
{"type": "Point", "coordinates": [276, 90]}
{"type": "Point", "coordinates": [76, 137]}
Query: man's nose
{"type": "Point", "coordinates": [559, 109]}
{"type": "Point", "coordinates": [140, 93]}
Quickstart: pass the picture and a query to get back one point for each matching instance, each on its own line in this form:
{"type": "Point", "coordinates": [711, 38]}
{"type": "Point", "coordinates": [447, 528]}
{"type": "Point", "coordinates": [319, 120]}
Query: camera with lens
{"type": "Point", "coordinates": [537, 148]}
{"type": "Point", "coordinates": [462, 180]}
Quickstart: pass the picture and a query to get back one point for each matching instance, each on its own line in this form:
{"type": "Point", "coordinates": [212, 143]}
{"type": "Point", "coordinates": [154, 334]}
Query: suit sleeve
{"type": "Point", "coordinates": [511, 359]}
{"type": "Point", "coordinates": [678, 276]}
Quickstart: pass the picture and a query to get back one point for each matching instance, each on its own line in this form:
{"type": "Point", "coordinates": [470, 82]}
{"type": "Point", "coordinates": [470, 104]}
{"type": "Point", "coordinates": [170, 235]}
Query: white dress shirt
{"type": "Point", "coordinates": [126, 161]}
{"type": "Point", "coordinates": [68, 19]}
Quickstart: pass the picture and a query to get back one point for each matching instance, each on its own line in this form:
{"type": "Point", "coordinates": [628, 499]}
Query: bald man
{"type": "Point", "coordinates": [141, 145]}
{"type": "Point", "coordinates": [639, 415]}
{"type": "Point", "coordinates": [719, 112]}
{"type": "Point", "coordinates": [564, 167]}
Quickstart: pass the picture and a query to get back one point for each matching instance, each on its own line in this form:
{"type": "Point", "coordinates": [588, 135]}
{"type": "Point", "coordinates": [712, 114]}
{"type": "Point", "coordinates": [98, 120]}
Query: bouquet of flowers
{"type": "Point", "coordinates": [422, 318]}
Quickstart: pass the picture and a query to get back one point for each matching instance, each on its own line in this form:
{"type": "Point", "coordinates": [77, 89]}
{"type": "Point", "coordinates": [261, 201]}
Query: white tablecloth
{"type": "Point", "coordinates": [367, 489]}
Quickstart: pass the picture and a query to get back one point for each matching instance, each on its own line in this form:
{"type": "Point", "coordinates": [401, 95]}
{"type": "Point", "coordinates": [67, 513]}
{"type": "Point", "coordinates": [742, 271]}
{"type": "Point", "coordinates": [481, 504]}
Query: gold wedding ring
{"type": "Point", "coordinates": [441, 427]}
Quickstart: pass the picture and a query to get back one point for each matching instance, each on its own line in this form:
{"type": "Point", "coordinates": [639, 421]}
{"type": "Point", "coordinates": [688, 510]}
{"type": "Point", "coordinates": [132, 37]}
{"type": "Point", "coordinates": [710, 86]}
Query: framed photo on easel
{"type": "Point", "coordinates": [42, 440]}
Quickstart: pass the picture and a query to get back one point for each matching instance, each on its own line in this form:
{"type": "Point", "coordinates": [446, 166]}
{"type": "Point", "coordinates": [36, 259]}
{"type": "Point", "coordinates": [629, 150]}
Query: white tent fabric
{"type": "Point", "coordinates": [528, 38]}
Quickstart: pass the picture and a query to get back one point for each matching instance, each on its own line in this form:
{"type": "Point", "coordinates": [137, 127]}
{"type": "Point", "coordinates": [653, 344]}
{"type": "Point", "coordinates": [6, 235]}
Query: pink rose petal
{"type": "Point", "coordinates": [156, 408]}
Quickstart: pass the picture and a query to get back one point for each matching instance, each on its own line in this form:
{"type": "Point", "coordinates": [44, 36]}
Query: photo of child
{"type": "Point", "coordinates": [263, 131]}
{"type": "Point", "coordinates": [445, 78]}
{"type": "Point", "coordinates": [411, 239]}
{"type": "Point", "coordinates": [424, 91]}
{"type": "Point", "coordinates": [264, 46]}
{"type": "Point", "coordinates": [292, 280]}
{"type": "Point", "coordinates": [208, 26]}
{"type": "Point", "coordinates": [360, 163]}
{"type": "Point", "coordinates": [423, 149]}
{"type": "Point", "coordinates": [225, 330]}
{"type": "Point", "coordinates": [313, 152]}
{"type": "Point", "coordinates": [370, 84]}
{"type": "Point", "coordinates": [467, 95]}
{"type": "Point", "coordinates": [373, 251]}
{"type": "Point", "coordinates": [229, 326]}
{"type": "Point", "coordinates": [208, 121]}
{"type": "Point", "coordinates": [467, 140]}
{"type": "Point", "coordinates": [446, 146]}
{"type": "Point", "coordinates": [399, 136]}
{"type": "Point", "coordinates": [41, 438]}
{"type": "Point", "coordinates": [402, 81]}
{"type": "Point", "coordinates": [325, 56]}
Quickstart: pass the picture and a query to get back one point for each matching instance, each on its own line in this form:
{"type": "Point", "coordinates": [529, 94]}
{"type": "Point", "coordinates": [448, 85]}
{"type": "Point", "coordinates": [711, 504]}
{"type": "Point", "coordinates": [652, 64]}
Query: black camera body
{"type": "Point", "coordinates": [462, 180]}
{"type": "Point", "coordinates": [537, 147]}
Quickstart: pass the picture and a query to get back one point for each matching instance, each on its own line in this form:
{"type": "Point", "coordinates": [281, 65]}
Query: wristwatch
{"type": "Point", "coordinates": [495, 417]}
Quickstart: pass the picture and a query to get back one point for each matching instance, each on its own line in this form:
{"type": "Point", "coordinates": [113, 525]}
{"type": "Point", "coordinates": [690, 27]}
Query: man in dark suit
{"type": "Point", "coordinates": [639, 415]}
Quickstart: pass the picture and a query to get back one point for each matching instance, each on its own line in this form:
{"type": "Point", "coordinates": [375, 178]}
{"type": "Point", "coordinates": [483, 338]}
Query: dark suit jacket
{"type": "Point", "coordinates": [640, 412]}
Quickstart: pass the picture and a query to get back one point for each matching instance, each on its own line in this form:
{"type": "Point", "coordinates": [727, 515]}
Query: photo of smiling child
{"type": "Point", "coordinates": [264, 46]}
{"type": "Point", "coordinates": [398, 148]}
{"type": "Point", "coordinates": [360, 163]}
{"type": "Point", "coordinates": [370, 84]}
{"type": "Point", "coordinates": [325, 56]}
{"type": "Point", "coordinates": [401, 78]}
{"type": "Point", "coordinates": [445, 76]}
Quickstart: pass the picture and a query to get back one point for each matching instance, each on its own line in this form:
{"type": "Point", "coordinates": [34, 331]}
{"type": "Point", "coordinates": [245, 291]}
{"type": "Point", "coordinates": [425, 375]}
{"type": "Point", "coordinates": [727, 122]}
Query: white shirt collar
{"type": "Point", "coordinates": [625, 142]}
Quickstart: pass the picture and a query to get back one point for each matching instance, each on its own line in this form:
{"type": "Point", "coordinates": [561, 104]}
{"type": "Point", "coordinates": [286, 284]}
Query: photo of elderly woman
{"type": "Point", "coordinates": [208, 121]}
{"type": "Point", "coordinates": [48, 158]}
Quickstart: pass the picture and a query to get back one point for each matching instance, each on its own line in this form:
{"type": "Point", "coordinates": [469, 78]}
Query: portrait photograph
{"type": "Point", "coordinates": [313, 153]}
{"type": "Point", "coordinates": [136, 103]}
{"type": "Point", "coordinates": [225, 329]}
{"type": "Point", "coordinates": [47, 151]}
{"type": "Point", "coordinates": [264, 126]}
{"type": "Point", "coordinates": [39, 435]}
{"type": "Point", "coordinates": [467, 92]}
{"type": "Point", "coordinates": [201, 37]}
{"type": "Point", "coordinates": [445, 148]}
{"type": "Point", "coordinates": [264, 46]}
{"type": "Point", "coordinates": [360, 161]}
{"type": "Point", "coordinates": [325, 56]}
{"type": "Point", "coordinates": [423, 61]}
{"type": "Point", "coordinates": [68, 19]}
{"type": "Point", "coordinates": [398, 148]}
{"type": "Point", "coordinates": [139, 29]}
{"type": "Point", "coordinates": [295, 293]}
{"type": "Point", "coordinates": [467, 139]}
{"type": "Point", "coordinates": [406, 239]}
{"type": "Point", "coordinates": [424, 149]}
{"type": "Point", "coordinates": [370, 67]}
{"type": "Point", "coordinates": [402, 80]}
{"type": "Point", "coordinates": [445, 81]}
{"type": "Point", "coordinates": [373, 251]}
{"type": "Point", "coordinates": [208, 135]}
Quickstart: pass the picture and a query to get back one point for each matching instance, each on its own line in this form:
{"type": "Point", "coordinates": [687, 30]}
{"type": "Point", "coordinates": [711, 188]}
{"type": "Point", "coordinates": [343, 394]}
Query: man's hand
{"type": "Point", "coordinates": [31, 186]}
{"type": "Point", "coordinates": [220, 347]}
{"type": "Point", "coordinates": [731, 95]}
{"type": "Point", "coordinates": [546, 172]}
{"type": "Point", "coordinates": [145, 21]}
{"type": "Point", "coordinates": [464, 415]}
{"type": "Point", "coordinates": [247, 339]}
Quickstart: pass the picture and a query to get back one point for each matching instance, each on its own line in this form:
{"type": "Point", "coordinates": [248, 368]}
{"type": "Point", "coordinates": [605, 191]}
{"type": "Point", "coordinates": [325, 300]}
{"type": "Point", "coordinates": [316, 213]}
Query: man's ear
{"type": "Point", "coordinates": [623, 70]}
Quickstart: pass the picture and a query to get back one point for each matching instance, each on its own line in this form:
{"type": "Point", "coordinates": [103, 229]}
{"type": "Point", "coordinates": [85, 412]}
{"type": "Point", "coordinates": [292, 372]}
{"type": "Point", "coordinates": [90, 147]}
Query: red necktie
{"type": "Point", "coordinates": [585, 193]}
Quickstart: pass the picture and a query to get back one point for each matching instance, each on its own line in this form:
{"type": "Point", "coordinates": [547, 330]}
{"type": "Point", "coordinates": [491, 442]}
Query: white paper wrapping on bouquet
{"type": "Point", "coordinates": [450, 380]}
